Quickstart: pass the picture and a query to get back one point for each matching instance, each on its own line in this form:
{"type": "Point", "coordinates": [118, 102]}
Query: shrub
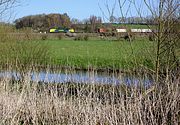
{"type": "Point", "coordinates": [82, 37]}
{"type": "Point", "coordinates": [44, 37]}
{"type": "Point", "coordinates": [71, 34]}
{"type": "Point", "coordinates": [79, 37]}
{"type": "Point", "coordinates": [60, 36]}
{"type": "Point", "coordinates": [152, 37]}
{"type": "Point", "coordinates": [119, 36]}
{"type": "Point", "coordinates": [129, 37]}
{"type": "Point", "coordinates": [27, 35]}
{"type": "Point", "coordinates": [86, 37]}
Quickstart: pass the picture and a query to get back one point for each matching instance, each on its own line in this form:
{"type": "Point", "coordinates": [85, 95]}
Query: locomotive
{"type": "Point", "coordinates": [61, 30]}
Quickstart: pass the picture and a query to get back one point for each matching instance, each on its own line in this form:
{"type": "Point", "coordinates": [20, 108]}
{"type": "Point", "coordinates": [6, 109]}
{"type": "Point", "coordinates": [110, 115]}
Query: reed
{"type": "Point", "coordinates": [28, 102]}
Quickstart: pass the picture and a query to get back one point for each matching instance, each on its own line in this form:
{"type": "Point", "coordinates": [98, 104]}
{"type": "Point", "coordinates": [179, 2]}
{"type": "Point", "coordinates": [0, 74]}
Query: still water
{"type": "Point", "coordinates": [89, 77]}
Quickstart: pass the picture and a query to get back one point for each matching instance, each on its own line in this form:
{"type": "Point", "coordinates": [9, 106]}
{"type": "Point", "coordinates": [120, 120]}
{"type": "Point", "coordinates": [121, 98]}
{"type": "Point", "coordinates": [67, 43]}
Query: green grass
{"type": "Point", "coordinates": [102, 54]}
{"type": "Point", "coordinates": [84, 54]}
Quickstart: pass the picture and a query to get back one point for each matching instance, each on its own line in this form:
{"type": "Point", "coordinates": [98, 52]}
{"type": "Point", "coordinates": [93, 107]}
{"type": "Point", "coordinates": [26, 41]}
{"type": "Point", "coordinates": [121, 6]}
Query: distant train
{"type": "Point", "coordinates": [102, 30]}
{"type": "Point", "coordinates": [123, 30]}
{"type": "Point", "coordinates": [61, 30]}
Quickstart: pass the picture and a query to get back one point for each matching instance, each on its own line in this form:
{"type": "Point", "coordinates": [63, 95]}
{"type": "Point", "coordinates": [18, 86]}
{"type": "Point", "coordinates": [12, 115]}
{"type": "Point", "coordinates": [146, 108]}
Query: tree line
{"type": "Point", "coordinates": [42, 22]}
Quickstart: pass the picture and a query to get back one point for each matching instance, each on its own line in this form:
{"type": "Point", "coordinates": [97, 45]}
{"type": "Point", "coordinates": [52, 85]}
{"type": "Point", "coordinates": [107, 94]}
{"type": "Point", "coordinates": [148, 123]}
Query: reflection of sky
{"type": "Point", "coordinates": [9, 74]}
{"type": "Point", "coordinates": [80, 77]}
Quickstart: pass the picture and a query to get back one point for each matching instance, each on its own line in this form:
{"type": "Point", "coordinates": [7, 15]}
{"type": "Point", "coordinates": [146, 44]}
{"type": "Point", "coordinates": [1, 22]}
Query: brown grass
{"type": "Point", "coordinates": [27, 103]}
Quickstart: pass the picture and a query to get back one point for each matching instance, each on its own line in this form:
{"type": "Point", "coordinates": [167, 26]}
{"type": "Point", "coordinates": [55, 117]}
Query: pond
{"type": "Point", "coordinates": [89, 77]}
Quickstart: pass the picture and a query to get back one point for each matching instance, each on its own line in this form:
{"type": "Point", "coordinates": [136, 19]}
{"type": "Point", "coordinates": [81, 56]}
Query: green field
{"type": "Point", "coordinates": [84, 54]}
{"type": "Point", "coordinates": [102, 54]}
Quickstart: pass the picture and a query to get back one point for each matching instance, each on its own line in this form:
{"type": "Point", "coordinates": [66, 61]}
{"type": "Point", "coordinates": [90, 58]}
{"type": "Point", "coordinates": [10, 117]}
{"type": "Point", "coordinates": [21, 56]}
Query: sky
{"type": "Point", "coordinates": [79, 9]}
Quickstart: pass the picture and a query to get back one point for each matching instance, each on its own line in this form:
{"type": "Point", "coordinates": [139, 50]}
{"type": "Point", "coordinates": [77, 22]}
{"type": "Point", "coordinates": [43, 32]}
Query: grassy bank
{"type": "Point", "coordinates": [85, 54]}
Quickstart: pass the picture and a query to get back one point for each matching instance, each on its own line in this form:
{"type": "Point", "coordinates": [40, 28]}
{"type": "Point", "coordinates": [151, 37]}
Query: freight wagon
{"type": "Point", "coordinates": [123, 30]}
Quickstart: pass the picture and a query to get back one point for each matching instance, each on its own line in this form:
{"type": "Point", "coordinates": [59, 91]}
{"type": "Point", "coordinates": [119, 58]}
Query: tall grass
{"type": "Point", "coordinates": [33, 103]}
{"type": "Point", "coordinates": [18, 52]}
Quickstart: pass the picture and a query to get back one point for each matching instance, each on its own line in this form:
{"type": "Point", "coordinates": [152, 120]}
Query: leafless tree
{"type": "Point", "coordinates": [108, 13]}
{"type": "Point", "coordinates": [167, 34]}
{"type": "Point", "coordinates": [165, 14]}
{"type": "Point", "coordinates": [94, 22]}
{"type": "Point", "coordinates": [6, 6]}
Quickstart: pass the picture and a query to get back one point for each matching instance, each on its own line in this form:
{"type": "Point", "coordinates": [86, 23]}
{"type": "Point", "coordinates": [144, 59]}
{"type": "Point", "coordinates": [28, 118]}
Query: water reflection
{"type": "Point", "coordinates": [80, 77]}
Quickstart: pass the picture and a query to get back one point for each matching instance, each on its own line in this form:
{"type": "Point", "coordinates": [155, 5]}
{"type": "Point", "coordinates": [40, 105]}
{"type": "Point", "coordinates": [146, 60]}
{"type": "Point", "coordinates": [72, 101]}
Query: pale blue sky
{"type": "Point", "coordinates": [79, 9]}
{"type": "Point", "coordinates": [74, 8]}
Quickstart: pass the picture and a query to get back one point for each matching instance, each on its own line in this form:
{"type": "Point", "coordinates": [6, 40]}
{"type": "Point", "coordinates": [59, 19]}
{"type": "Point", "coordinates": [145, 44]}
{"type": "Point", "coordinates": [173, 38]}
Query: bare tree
{"type": "Point", "coordinates": [165, 16]}
{"type": "Point", "coordinates": [5, 6]}
{"type": "Point", "coordinates": [110, 6]}
{"type": "Point", "coordinates": [94, 22]}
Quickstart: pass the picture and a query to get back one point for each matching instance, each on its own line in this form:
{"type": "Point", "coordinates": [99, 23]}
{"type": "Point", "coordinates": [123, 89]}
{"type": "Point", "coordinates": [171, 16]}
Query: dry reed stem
{"type": "Point", "coordinates": [29, 105]}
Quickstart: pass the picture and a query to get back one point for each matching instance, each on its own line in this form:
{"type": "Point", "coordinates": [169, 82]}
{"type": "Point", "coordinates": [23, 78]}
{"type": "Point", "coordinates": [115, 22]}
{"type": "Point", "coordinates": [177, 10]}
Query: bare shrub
{"type": "Point", "coordinates": [60, 36]}
{"type": "Point", "coordinates": [152, 37]}
{"type": "Point", "coordinates": [129, 37]}
{"type": "Point", "coordinates": [86, 37]}
{"type": "Point", "coordinates": [79, 37]}
{"type": "Point", "coordinates": [28, 35]}
{"type": "Point", "coordinates": [82, 37]}
{"type": "Point", "coordinates": [44, 36]}
{"type": "Point", "coordinates": [71, 34]}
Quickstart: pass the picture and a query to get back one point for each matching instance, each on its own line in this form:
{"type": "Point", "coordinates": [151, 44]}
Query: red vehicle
{"type": "Point", "coordinates": [101, 30]}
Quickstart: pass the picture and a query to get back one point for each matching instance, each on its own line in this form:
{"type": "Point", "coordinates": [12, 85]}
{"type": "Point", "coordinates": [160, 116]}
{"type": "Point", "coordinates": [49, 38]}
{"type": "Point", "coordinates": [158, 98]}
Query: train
{"type": "Point", "coordinates": [61, 30]}
{"type": "Point", "coordinates": [104, 31]}
{"type": "Point", "coordinates": [123, 30]}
